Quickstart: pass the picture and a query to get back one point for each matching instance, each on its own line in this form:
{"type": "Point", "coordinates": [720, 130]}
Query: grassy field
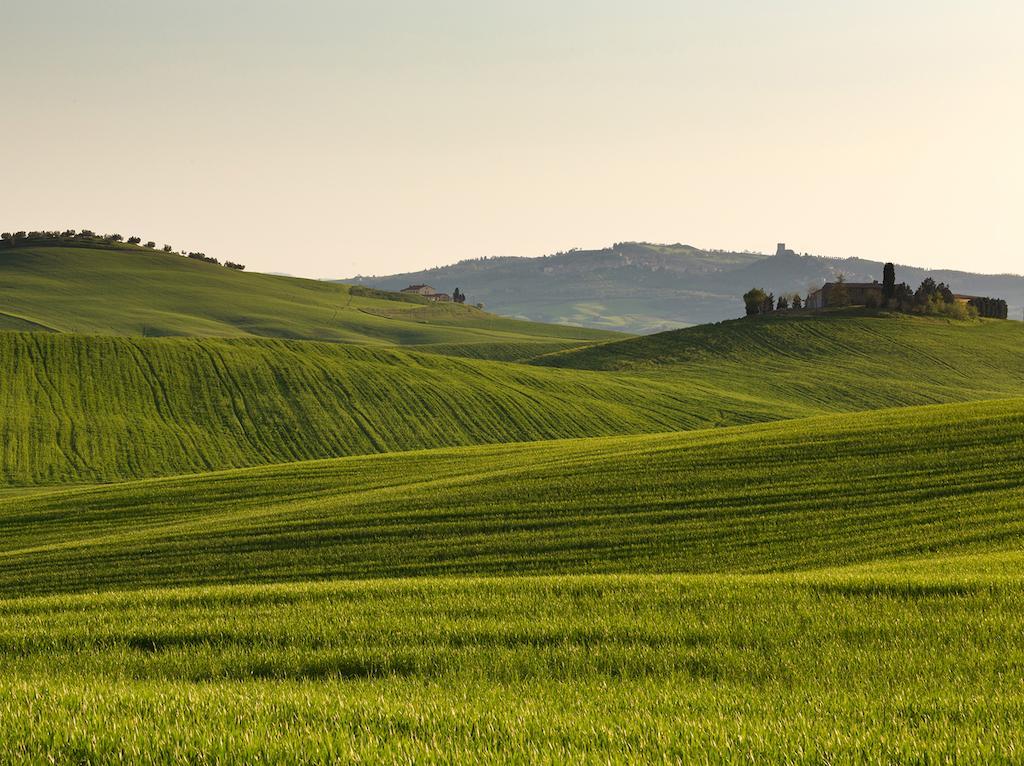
{"type": "Point", "coordinates": [861, 359]}
{"type": "Point", "coordinates": [835, 589]}
{"type": "Point", "coordinates": [93, 408]}
{"type": "Point", "coordinates": [137, 292]}
{"type": "Point", "coordinates": [796, 495]}
{"type": "Point", "coordinates": [711, 669]}
{"type": "Point", "coordinates": [715, 545]}
{"type": "Point", "coordinates": [86, 408]}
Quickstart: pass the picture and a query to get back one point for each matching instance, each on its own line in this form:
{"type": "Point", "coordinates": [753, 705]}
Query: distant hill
{"type": "Point", "coordinates": [643, 288]}
{"type": "Point", "coordinates": [125, 290]}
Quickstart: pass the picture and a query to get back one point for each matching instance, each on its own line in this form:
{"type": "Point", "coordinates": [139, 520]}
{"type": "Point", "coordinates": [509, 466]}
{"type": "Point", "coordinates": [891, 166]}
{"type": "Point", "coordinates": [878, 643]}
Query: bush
{"type": "Point", "coordinates": [235, 266]}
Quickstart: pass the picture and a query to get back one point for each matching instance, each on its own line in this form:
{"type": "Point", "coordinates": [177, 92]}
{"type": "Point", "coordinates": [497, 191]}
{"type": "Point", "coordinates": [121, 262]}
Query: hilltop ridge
{"type": "Point", "coordinates": [641, 287]}
{"type": "Point", "coordinates": [120, 289]}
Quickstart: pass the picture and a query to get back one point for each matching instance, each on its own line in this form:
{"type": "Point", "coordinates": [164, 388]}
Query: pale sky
{"type": "Point", "coordinates": [330, 138]}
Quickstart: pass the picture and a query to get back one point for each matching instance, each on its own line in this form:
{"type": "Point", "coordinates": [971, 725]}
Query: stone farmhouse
{"type": "Point", "coordinates": [858, 293]}
{"type": "Point", "coordinates": [428, 292]}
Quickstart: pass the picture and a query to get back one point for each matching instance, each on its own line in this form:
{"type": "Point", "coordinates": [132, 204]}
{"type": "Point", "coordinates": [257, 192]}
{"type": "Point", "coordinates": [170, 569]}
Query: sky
{"type": "Point", "coordinates": [328, 138]}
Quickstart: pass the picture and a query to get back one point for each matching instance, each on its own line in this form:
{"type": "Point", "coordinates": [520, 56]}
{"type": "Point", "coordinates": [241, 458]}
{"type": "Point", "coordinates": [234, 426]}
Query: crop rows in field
{"type": "Point", "coordinates": [91, 408]}
{"type": "Point", "coordinates": [844, 360]}
{"type": "Point", "coordinates": [821, 492]}
{"type": "Point", "coordinates": [708, 669]}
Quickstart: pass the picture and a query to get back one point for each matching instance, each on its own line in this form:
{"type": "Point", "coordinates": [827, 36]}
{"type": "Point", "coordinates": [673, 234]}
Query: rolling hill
{"type": "Point", "coordinates": [137, 292]}
{"type": "Point", "coordinates": [844, 359]}
{"type": "Point", "coordinates": [796, 495]}
{"type": "Point", "coordinates": [355, 528]}
{"type": "Point", "coordinates": [643, 288]}
{"type": "Point", "coordinates": [95, 408]}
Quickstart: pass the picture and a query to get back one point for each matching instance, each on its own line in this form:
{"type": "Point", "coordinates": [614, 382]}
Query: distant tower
{"type": "Point", "coordinates": [780, 249]}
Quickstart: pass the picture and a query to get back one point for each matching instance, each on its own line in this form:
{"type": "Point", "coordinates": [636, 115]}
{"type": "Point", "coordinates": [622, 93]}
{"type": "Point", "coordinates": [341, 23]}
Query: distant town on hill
{"type": "Point", "coordinates": [640, 287]}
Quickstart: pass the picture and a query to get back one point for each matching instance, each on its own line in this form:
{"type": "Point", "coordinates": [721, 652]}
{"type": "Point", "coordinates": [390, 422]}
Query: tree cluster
{"type": "Point", "coordinates": [930, 297]}
{"type": "Point", "coordinates": [202, 257]}
{"type": "Point", "coordinates": [757, 301]}
{"type": "Point", "coordinates": [990, 308]}
{"type": "Point", "coordinates": [458, 296]}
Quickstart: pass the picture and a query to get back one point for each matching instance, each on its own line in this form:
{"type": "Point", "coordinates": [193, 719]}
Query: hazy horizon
{"type": "Point", "coordinates": [329, 139]}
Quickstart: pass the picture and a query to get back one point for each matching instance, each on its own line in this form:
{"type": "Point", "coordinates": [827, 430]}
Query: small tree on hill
{"type": "Point", "coordinates": [754, 300]}
{"type": "Point", "coordinates": [839, 296]}
{"type": "Point", "coordinates": [151, 244]}
{"type": "Point", "coordinates": [167, 248]}
{"type": "Point", "coordinates": [134, 240]}
{"type": "Point", "coordinates": [769, 304]}
{"type": "Point", "coordinates": [783, 304]}
{"type": "Point", "coordinates": [903, 296]}
{"type": "Point", "coordinates": [797, 303]}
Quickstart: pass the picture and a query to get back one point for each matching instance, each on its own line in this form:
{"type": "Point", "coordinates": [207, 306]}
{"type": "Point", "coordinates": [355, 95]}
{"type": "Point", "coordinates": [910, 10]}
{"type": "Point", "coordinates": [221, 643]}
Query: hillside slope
{"type": "Point", "coordinates": [843, 360]}
{"type": "Point", "coordinates": [642, 288]}
{"type": "Point", "coordinates": [138, 292]}
{"type": "Point", "coordinates": [798, 495]}
{"type": "Point", "coordinates": [94, 408]}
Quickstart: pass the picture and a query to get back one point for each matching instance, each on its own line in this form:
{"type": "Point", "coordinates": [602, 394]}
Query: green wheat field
{"type": "Point", "coordinates": [252, 519]}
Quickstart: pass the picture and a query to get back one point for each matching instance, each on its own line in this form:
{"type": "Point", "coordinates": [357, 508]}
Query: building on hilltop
{"type": "Point", "coordinates": [781, 250]}
{"type": "Point", "coordinates": [858, 294]}
{"type": "Point", "coordinates": [428, 292]}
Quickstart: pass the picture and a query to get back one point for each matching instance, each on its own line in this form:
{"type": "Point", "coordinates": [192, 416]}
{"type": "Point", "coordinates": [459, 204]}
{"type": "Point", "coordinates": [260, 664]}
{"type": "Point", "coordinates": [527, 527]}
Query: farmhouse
{"type": "Point", "coordinates": [859, 294]}
{"type": "Point", "coordinates": [428, 292]}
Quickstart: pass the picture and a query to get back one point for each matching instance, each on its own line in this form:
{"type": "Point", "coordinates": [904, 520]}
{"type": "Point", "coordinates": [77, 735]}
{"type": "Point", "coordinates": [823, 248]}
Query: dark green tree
{"type": "Point", "coordinates": [754, 300]}
{"type": "Point", "coordinates": [839, 296]}
{"type": "Point", "coordinates": [888, 282]}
